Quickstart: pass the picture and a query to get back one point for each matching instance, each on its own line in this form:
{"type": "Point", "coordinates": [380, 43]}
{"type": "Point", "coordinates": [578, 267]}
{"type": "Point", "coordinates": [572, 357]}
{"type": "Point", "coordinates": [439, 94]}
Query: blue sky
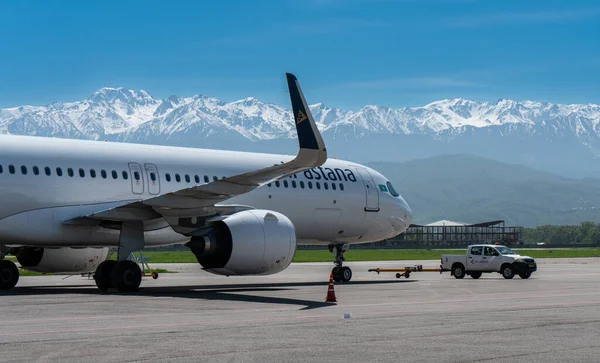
{"type": "Point", "coordinates": [346, 53]}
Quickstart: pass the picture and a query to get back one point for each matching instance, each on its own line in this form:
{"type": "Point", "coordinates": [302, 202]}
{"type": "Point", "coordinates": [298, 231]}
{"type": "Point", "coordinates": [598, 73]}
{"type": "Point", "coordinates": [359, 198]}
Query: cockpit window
{"type": "Point", "coordinates": [392, 190]}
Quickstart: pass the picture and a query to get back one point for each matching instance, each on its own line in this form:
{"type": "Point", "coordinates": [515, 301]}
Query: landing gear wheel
{"type": "Point", "coordinates": [126, 276]}
{"type": "Point", "coordinates": [525, 276]}
{"type": "Point", "coordinates": [337, 275]}
{"type": "Point", "coordinates": [345, 274]}
{"type": "Point", "coordinates": [475, 275]}
{"type": "Point", "coordinates": [9, 275]}
{"type": "Point", "coordinates": [154, 275]}
{"type": "Point", "coordinates": [398, 275]}
{"type": "Point", "coordinates": [103, 275]}
{"type": "Point", "coordinates": [508, 272]}
{"type": "Point", "coordinates": [458, 271]}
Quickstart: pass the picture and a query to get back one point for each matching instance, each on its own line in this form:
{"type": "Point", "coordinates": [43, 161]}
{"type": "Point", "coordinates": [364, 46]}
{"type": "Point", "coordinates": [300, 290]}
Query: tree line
{"type": "Point", "coordinates": [586, 233]}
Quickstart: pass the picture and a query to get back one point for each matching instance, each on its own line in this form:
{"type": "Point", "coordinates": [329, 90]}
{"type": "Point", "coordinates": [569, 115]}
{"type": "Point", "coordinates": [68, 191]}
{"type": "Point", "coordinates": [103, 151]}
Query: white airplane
{"type": "Point", "coordinates": [65, 203]}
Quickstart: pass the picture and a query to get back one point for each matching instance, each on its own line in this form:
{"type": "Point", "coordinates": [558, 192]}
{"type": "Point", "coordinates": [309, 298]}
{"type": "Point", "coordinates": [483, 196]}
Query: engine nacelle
{"type": "Point", "coordinates": [251, 242]}
{"type": "Point", "coordinates": [64, 259]}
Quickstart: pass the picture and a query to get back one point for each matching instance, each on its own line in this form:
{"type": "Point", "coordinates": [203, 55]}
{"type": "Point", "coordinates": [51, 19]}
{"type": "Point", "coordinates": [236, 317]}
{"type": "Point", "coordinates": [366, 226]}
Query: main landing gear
{"type": "Point", "coordinates": [340, 273]}
{"type": "Point", "coordinates": [9, 273]}
{"type": "Point", "coordinates": [124, 275]}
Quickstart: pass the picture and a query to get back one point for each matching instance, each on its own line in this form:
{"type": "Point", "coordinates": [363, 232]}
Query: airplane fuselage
{"type": "Point", "coordinates": [46, 182]}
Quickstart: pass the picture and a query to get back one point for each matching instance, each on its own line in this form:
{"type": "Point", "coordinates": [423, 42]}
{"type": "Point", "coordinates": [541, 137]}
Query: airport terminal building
{"type": "Point", "coordinates": [447, 233]}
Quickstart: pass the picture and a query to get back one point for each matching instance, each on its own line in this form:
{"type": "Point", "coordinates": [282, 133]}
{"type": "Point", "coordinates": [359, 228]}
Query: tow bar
{"type": "Point", "coordinates": [406, 271]}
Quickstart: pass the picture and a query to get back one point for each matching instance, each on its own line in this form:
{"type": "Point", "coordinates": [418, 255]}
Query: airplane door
{"type": "Point", "coordinates": [137, 179]}
{"type": "Point", "coordinates": [152, 178]}
{"type": "Point", "coordinates": [372, 203]}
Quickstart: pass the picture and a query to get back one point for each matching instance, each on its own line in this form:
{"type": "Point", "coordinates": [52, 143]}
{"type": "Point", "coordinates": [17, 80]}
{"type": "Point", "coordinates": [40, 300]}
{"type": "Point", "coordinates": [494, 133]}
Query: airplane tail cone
{"type": "Point", "coordinates": [330, 291]}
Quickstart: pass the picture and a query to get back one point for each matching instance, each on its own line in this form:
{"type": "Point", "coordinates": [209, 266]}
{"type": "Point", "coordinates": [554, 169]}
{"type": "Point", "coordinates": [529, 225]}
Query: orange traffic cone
{"type": "Point", "coordinates": [330, 291]}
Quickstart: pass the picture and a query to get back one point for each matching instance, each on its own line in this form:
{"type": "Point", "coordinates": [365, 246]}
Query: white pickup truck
{"type": "Point", "coordinates": [488, 258]}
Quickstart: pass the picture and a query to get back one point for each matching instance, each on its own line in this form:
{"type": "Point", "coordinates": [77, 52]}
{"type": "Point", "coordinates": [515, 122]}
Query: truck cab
{"type": "Point", "coordinates": [489, 258]}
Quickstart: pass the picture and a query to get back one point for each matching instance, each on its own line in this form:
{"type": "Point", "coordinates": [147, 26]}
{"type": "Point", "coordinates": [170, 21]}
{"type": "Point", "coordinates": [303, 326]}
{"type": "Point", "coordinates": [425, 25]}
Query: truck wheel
{"type": "Point", "coordinates": [525, 276]}
{"type": "Point", "coordinates": [508, 272]}
{"type": "Point", "coordinates": [458, 271]}
{"type": "Point", "coordinates": [475, 275]}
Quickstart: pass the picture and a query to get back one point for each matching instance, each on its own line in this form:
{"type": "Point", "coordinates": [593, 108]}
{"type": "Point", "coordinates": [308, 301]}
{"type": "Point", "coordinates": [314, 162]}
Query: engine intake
{"type": "Point", "coordinates": [251, 242]}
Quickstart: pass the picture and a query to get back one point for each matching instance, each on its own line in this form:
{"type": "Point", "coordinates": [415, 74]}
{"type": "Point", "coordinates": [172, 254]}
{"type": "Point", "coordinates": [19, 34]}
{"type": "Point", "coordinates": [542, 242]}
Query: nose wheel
{"type": "Point", "coordinates": [340, 273]}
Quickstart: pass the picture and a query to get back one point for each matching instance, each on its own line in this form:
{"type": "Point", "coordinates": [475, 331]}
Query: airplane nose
{"type": "Point", "coordinates": [405, 208]}
{"type": "Point", "coordinates": [402, 217]}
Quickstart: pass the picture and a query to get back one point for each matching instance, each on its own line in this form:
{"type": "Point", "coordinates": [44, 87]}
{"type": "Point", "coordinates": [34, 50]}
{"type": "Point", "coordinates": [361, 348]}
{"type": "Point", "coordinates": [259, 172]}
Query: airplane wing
{"type": "Point", "coordinates": [202, 200]}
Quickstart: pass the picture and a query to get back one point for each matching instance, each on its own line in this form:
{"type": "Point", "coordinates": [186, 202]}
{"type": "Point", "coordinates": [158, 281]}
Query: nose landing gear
{"type": "Point", "coordinates": [340, 273]}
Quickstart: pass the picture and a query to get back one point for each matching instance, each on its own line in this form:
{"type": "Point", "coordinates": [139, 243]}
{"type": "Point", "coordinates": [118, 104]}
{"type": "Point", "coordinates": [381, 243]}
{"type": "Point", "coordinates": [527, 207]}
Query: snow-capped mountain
{"type": "Point", "coordinates": [532, 130]}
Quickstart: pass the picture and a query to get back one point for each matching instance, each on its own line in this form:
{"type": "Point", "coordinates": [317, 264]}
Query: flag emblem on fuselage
{"type": "Point", "coordinates": [300, 117]}
{"type": "Point", "coordinates": [383, 188]}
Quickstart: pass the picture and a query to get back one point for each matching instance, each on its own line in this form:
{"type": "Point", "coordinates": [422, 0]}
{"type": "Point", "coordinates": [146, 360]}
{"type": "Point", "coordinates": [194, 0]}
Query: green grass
{"type": "Point", "coordinates": [323, 255]}
{"type": "Point", "coordinates": [23, 272]}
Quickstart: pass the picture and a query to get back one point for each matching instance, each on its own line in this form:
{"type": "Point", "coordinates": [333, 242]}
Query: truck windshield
{"type": "Point", "coordinates": [505, 251]}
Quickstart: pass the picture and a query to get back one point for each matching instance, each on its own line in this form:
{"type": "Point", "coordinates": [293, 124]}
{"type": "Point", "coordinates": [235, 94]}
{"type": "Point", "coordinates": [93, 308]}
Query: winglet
{"type": "Point", "coordinates": [309, 136]}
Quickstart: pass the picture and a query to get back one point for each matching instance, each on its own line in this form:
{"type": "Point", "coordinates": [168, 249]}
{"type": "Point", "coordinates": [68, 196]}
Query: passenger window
{"type": "Point", "coordinates": [125, 175]}
{"type": "Point", "coordinates": [326, 186]}
{"type": "Point", "coordinates": [153, 176]}
{"type": "Point", "coordinates": [36, 170]}
{"type": "Point", "coordinates": [187, 178]}
{"type": "Point", "coordinates": [490, 251]}
{"type": "Point", "coordinates": [59, 171]}
{"type": "Point", "coordinates": [103, 173]}
{"type": "Point", "coordinates": [333, 186]}
{"type": "Point", "coordinates": [168, 177]}
{"type": "Point", "coordinates": [197, 179]}
{"type": "Point", "coordinates": [206, 180]}
{"type": "Point", "coordinates": [476, 250]}
{"type": "Point", "coordinates": [318, 185]}
{"type": "Point", "coordinates": [309, 185]}
{"type": "Point", "coordinates": [277, 184]}
{"type": "Point", "coordinates": [11, 169]}
{"type": "Point", "coordinates": [269, 185]}
{"type": "Point", "coordinates": [47, 171]}
{"type": "Point", "coordinates": [215, 178]}
{"type": "Point", "coordinates": [285, 183]}
{"type": "Point", "coordinates": [81, 173]}
{"type": "Point", "coordinates": [301, 184]}
{"type": "Point", "coordinates": [293, 183]}
{"type": "Point", "coordinates": [70, 172]}
{"type": "Point", "coordinates": [92, 173]}
{"type": "Point", "coordinates": [1, 170]}
{"type": "Point", "coordinates": [136, 175]}
{"type": "Point", "coordinates": [177, 178]}
{"type": "Point", "coordinates": [23, 169]}
{"type": "Point", "coordinates": [114, 174]}
{"type": "Point", "coordinates": [341, 186]}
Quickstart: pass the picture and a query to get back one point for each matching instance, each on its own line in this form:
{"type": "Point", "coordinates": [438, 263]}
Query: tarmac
{"type": "Point", "coordinates": [193, 316]}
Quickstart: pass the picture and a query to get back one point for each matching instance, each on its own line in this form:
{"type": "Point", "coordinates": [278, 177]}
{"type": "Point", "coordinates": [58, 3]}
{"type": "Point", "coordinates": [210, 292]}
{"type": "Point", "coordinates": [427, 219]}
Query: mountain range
{"type": "Point", "coordinates": [563, 139]}
{"type": "Point", "coordinates": [470, 189]}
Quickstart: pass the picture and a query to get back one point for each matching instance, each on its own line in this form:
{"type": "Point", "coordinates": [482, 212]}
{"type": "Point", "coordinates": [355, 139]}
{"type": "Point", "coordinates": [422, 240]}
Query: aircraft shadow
{"type": "Point", "coordinates": [222, 292]}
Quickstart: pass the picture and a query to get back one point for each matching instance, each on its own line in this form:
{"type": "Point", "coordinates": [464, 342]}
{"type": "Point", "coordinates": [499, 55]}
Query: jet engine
{"type": "Point", "coordinates": [63, 259]}
{"type": "Point", "coordinates": [251, 242]}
